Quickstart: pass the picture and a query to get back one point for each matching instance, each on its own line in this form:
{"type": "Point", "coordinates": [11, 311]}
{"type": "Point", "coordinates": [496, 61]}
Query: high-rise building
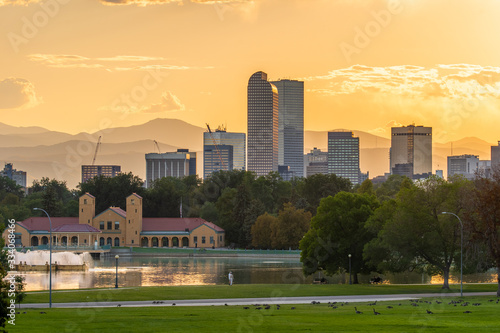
{"type": "Point", "coordinates": [18, 176]}
{"type": "Point", "coordinates": [412, 146]}
{"type": "Point", "coordinates": [343, 155]}
{"type": "Point", "coordinates": [291, 126]}
{"type": "Point", "coordinates": [316, 162]}
{"type": "Point", "coordinates": [222, 138]}
{"type": "Point", "coordinates": [495, 157]}
{"type": "Point", "coordinates": [465, 165]}
{"type": "Point", "coordinates": [262, 125]}
{"type": "Point", "coordinates": [216, 158]}
{"type": "Point", "coordinates": [173, 164]}
{"type": "Point", "coordinates": [90, 171]}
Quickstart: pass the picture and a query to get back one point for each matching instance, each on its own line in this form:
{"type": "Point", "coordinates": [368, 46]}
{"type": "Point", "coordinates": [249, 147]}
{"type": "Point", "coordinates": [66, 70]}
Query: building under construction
{"type": "Point", "coordinates": [223, 150]}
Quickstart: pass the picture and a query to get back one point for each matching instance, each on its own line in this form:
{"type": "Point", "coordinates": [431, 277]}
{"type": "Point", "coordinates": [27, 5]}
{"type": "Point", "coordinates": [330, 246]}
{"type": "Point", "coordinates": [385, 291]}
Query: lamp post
{"type": "Point", "coordinates": [116, 280]}
{"type": "Point", "coordinates": [50, 256]}
{"type": "Point", "coordinates": [350, 280]}
{"type": "Point", "coordinates": [461, 251]}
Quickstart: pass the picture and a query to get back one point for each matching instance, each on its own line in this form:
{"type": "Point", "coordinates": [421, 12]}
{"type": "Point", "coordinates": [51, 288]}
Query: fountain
{"type": "Point", "coordinates": [61, 261]}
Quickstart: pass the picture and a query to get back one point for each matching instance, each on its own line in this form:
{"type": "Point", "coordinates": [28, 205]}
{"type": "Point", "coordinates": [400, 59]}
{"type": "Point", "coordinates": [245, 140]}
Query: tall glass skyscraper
{"type": "Point", "coordinates": [262, 125]}
{"type": "Point", "coordinates": [222, 138]}
{"type": "Point", "coordinates": [343, 155]}
{"type": "Point", "coordinates": [291, 125]}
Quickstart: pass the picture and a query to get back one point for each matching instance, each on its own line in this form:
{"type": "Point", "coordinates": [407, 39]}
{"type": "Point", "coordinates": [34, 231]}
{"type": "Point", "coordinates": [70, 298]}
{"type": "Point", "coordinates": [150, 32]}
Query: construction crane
{"type": "Point", "coordinates": [216, 147]}
{"type": "Point", "coordinates": [157, 146]}
{"type": "Point", "coordinates": [96, 149]}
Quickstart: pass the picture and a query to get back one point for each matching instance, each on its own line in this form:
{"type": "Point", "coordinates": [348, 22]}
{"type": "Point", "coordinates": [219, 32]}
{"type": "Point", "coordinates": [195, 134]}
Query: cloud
{"type": "Point", "coordinates": [441, 81]}
{"type": "Point", "coordinates": [17, 93]}
{"type": "Point", "coordinates": [18, 2]}
{"type": "Point", "coordinates": [140, 3]}
{"type": "Point", "coordinates": [169, 102]}
{"type": "Point", "coordinates": [115, 63]}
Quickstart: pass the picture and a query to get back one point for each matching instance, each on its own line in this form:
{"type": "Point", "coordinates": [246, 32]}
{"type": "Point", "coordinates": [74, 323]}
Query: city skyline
{"type": "Point", "coordinates": [369, 65]}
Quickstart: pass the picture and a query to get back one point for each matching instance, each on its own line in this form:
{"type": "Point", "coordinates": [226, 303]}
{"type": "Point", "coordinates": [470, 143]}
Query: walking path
{"type": "Point", "coordinates": [250, 301]}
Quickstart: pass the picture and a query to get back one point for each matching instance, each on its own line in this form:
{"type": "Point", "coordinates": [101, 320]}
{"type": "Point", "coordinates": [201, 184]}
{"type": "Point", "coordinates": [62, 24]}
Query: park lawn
{"type": "Point", "coordinates": [314, 318]}
{"type": "Point", "coordinates": [241, 291]}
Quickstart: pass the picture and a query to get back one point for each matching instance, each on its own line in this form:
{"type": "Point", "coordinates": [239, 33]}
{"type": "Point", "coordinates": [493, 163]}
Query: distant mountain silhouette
{"type": "Point", "coordinates": [44, 153]}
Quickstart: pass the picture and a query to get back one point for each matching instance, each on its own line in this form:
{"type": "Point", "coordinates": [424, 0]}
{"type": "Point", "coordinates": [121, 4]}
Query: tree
{"type": "Point", "coordinates": [483, 216]}
{"type": "Point", "coordinates": [4, 284]}
{"type": "Point", "coordinates": [319, 186]}
{"type": "Point", "coordinates": [337, 230]}
{"type": "Point", "coordinates": [20, 294]}
{"type": "Point", "coordinates": [415, 233]}
{"type": "Point", "coordinates": [261, 231]}
{"type": "Point", "coordinates": [290, 227]}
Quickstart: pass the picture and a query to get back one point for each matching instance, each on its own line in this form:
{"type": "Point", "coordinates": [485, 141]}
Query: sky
{"type": "Point", "coordinates": [85, 65]}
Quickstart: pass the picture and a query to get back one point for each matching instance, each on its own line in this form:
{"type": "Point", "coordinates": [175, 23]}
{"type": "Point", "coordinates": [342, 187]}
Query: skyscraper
{"type": "Point", "coordinates": [343, 155]}
{"type": "Point", "coordinates": [18, 176]}
{"type": "Point", "coordinates": [411, 150]}
{"type": "Point", "coordinates": [223, 138]}
{"type": "Point", "coordinates": [175, 164]}
{"type": "Point", "coordinates": [291, 125]}
{"type": "Point", "coordinates": [262, 125]}
{"type": "Point", "coordinates": [465, 165]}
{"type": "Point", "coordinates": [495, 157]}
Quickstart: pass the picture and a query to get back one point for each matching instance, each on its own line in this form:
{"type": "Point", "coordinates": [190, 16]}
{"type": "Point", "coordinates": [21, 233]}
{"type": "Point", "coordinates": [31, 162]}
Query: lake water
{"type": "Point", "coordinates": [163, 271]}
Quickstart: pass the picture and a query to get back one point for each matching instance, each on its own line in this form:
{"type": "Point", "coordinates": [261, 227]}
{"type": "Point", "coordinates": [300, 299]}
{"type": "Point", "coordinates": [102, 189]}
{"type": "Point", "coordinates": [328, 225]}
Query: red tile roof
{"type": "Point", "coordinates": [42, 223]}
{"type": "Point", "coordinates": [75, 228]}
{"type": "Point", "coordinates": [175, 224]}
{"type": "Point", "coordinates": [90, 195]}
{"type": "Point", "coordinates": [137, 195]}
{"type": "Point", "coordinates": [119, 211]}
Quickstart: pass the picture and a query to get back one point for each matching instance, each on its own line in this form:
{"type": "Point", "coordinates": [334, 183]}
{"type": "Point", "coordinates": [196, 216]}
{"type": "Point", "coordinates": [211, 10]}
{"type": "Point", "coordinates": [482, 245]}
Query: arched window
{"type": "Point", "coordinates": [117, 241]}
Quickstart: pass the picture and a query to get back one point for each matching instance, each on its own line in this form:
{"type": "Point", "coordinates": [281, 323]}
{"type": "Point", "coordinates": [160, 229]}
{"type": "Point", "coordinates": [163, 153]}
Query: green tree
{"type": "Point", "coordinates": [337, 230]}
{"type": "Point", "coordinates": [7, 186]}
{"type": "Point", "coordinates": [261, 231]}
{"type": "Point", "coordinates": [319, 186]}
{"type": "Point", "coordinates": [482, 218]}
{"type": "Point", "coordinates": [290, 227]}
{"type": "Point", "coordinates": [163, 199]}
{"type": "Point", "coordinates": [415, 233]}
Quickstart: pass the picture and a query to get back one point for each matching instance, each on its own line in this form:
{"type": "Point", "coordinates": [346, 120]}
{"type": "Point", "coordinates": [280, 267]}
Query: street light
{"type": "Point", "coordinates": [461, 251]}
{"type": "Point", "coordinates": [50, 256]}
{"type": "Point", "coordinates": [350, 280]}
{"type": "Point", "coordinates": [116, 280]}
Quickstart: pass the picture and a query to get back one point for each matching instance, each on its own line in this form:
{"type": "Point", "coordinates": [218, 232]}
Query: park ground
{"type": "Point", "coordinates": [444, 311]}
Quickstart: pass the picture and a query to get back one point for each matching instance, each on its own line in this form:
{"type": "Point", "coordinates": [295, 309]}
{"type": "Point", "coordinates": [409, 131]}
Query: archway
{"type": "Point", "coordinates": [109, 241]}
{"type": "Point", "coordinates": [164, 242]}
{"type": "Point", "coordinates": [34, 241]}
{"type": "Point", "coordinates": [185, 241]}
{"type": "Point", "coordinates": [45, 240]}
{"type": "Point", "coordinates": [101, 241]}
{"type": "Point", "coordinates": [145, 242]}
{"type": "Point", "coordinates": [175, 242]}
{"type": "Point", "coordinates": [74, 240]}
{"type": "Point", "coordinates": [117, 241]}
{"type": "Point", "coordinates": [154, 242]}
{"type": "Point", "coordinates": [64, 240]}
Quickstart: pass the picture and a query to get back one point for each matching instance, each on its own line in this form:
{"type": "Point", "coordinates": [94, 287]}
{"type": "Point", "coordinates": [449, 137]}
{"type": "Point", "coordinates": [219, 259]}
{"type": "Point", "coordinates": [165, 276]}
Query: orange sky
{"type": "Point", "coordinates": [79, 65]}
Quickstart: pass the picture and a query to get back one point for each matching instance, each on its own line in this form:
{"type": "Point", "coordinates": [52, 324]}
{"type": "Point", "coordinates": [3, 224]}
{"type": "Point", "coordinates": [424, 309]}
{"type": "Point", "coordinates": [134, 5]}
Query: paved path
{"type": "Point", "coordinates": [250, 301]}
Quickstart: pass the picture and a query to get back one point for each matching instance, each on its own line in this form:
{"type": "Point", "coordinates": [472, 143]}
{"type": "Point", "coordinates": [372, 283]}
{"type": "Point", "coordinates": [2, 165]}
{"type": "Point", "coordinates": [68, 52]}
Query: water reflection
{"type": "Point", "coordinates": [163, 271]}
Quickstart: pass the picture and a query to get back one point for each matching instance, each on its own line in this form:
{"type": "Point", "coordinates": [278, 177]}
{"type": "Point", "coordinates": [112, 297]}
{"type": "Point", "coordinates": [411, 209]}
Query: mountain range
{"type": "Point", "coordinates": [44, 153]}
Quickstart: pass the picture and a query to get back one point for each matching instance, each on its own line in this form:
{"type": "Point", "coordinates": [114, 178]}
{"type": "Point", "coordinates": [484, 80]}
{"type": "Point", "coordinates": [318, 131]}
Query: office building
{"type": "Point", "coordinates": [222, 138]}
{"type": "Point", "coordinates": [173, 164]}
{"type": "Point", "coordinates": [216, 158]}
{"type": "Point", "coordinates": [18, 176]}
{"type": "Point", "coordinates": [291, 126]}
{"type": "Point", "coordinates": [343, 155]}
{"type": "Point", "coordinates": [465, 165]}
{"type": "Point", "coordinates": [411, 148]}
{"type": "Point", "coordinates": [91, 171]}
{"type": "Point", "coordinates": [495, 157]}
{"type": "Point", "coordinates": [262, 125]}
{"type": "Point", "coordinates": [316, 162]}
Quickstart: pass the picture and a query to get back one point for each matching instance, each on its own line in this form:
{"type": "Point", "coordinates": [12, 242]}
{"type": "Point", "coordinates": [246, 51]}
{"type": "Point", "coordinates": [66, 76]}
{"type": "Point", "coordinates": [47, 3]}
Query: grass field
{"type": "Point", "coordinates": [445, 317]}
{"type": "Point", "coordinates": [242, 291]}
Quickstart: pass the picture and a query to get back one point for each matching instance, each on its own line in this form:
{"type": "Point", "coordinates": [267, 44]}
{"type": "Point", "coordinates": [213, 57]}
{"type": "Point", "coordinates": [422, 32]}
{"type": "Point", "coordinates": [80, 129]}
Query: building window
{"type": "Point", "coordinates": [84, 201]}
{"type": "Point", "coordinates": [110, 225]}
{"type": "Point", "coordinates": [101, 225]}
{"type": "Point", "coordinates": [195, 239]}
{"type": "Point", "coordinates": [132, 241]}
{"type": "Point", "coordinates": [203, 239]}
{"type": "Point", "coordinates": [132, 201]}
{"type": "Point", "coordinates": [212, 240]}
{"type": "Point", "coordinates": [117, 225]}
{"type": "Point", "coordinates": [220, 238]}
